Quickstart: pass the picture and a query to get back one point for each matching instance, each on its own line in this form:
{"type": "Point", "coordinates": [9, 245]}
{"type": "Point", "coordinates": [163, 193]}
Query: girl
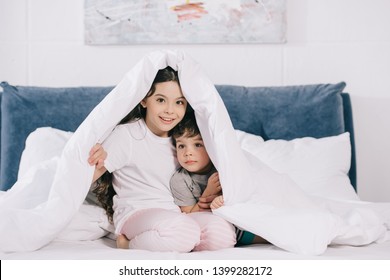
{"type": "Point", "coordinates": [140, 161]}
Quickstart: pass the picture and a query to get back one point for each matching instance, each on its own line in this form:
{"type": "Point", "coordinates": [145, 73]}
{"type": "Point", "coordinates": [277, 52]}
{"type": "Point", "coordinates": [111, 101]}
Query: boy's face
{"type": "Point", "coordinates": [192, 154]}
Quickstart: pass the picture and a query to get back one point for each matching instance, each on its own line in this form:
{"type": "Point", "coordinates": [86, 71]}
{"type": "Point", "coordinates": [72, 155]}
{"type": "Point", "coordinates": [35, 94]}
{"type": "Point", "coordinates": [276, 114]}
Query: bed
{"type": "Point", "coordinates": [291, 128]}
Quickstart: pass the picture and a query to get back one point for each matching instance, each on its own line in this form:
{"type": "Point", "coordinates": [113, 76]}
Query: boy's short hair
{"type": "Point", "coordinates": [187, 127]}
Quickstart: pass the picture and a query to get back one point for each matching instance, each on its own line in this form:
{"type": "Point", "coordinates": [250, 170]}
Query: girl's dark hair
{"type": "Point", "coordinates": [104, 189]}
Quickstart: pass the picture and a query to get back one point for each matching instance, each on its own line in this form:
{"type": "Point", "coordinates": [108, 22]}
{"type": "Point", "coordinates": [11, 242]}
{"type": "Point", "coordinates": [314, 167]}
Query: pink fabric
{"type": "Point", "coordinates": [215, 232]}
{"type": "Point", "coordinates": [167, 231]}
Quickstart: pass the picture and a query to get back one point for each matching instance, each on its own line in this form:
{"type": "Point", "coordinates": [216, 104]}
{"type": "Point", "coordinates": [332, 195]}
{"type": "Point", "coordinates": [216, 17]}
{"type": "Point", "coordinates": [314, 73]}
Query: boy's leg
{"type": "Point", "coordinates": [247, 238]}
{"type": "Point", "coordinates": [244, 237]}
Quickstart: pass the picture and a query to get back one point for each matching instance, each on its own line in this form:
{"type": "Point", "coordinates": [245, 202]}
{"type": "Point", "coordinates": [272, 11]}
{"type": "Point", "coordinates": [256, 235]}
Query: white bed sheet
{"type": "Point", "coordinates": [104, 249]}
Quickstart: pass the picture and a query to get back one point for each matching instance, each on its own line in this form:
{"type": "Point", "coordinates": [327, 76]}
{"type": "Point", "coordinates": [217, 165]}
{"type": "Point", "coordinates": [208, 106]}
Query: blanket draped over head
{"type": "Point", "coordinates": [257, 199]}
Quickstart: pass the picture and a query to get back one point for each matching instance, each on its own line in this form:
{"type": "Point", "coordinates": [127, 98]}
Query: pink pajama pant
{"type": "Point", "coordinates": [167, 231]}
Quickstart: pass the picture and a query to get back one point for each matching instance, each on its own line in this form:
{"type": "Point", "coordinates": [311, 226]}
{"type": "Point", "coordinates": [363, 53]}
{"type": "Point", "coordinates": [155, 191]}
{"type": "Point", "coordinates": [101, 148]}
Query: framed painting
{"type": "Point", "coordinates": [121, 22]}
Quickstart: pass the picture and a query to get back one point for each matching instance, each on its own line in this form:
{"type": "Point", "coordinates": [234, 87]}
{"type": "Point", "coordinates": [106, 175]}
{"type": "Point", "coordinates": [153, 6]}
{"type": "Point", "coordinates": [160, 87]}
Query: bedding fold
{"type": "Point", "coordinates": [257, 198]}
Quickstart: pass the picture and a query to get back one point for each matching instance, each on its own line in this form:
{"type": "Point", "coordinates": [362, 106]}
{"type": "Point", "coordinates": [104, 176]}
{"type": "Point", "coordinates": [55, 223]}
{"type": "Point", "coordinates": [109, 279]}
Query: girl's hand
{"type": "Point", "coordinates": [217, 202]}
{"type": "Point", "coordinates": [213, 185]}
{"type": "Point", "coordinates": [97, 155]}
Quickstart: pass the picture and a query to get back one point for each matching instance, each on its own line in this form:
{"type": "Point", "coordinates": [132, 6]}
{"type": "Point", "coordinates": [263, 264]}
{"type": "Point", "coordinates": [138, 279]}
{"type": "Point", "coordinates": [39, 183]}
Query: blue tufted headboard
{"type": "Point", "coordinates": [285, 112]}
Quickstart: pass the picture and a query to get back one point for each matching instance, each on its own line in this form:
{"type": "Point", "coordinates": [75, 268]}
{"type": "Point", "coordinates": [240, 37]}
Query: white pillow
{"type": "Point", "coordinates": [42, 144]}
{"type": "Point", "coordinates": [319, 166]}
{"type": "Point", "coordinates": [89, 223]}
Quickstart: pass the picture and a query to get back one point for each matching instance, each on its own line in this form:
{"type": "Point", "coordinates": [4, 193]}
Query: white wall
{"type": "Point", "coordinates": [41, 43]}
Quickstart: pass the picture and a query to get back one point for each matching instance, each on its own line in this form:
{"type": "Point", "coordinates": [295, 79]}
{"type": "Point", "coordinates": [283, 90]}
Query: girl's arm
{"type": "Point", "coordinates": [190, 209]}
{"type": "Point", "coordinates": [97, 155]}
{"type": "Point", "coordinates": [212, 189]}
{"type": "Point", "coordinates": [98, 173]}
{"type": "Point", "coordinates": [213, 186]}
{"type": "Point", "coordinates": [217, 202]}
{"type": "Point", "coordinates": [205, 202]}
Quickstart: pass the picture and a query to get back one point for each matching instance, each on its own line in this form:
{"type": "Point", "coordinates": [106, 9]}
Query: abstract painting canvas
{"type": "Point", "coordinates": [120, 22]}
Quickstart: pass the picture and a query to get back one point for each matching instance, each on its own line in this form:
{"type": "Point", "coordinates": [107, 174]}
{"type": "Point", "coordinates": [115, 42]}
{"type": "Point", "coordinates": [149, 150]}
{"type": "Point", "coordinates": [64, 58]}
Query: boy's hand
{"type": "Point", "coordinates": [97, 155]}
{"type": "Point", "coordinates": [217, 202]}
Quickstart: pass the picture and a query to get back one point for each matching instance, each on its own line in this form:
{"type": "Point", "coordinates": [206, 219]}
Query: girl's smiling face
{"type": "Point", "coordinates": [165, 108]}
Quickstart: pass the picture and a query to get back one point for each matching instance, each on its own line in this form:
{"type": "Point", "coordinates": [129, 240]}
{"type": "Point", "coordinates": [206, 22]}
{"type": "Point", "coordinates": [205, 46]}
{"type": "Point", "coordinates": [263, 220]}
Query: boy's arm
{"type": "Point", "coordinates": [190, 209]}
{"type": "Point", "coordinates": [204, 202]}
{"type": "Point", "coordinates": [215, 204]}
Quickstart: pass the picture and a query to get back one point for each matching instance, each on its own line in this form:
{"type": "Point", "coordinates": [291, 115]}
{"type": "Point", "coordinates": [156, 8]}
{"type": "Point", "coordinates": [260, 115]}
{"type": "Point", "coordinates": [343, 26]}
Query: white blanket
{"type": "Point", "coordinates": [257, 198]}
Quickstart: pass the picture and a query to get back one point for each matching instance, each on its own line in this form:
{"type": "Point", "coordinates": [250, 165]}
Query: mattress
{"type": "Point", "coordinates": [105, 249]}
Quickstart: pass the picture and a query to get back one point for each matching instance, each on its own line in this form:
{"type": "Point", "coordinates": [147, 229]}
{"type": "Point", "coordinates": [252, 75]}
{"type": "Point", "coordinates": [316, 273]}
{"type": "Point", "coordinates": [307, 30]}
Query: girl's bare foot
{"type": "Point", "coordinates": [122, 242]}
